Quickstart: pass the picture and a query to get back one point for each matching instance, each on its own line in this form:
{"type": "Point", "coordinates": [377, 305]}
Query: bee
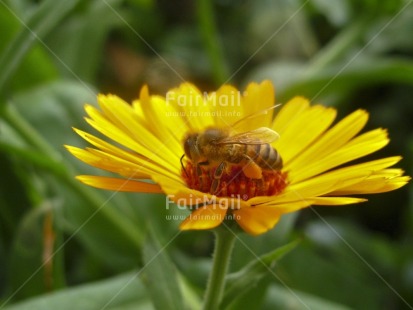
{"type": "Point", "coordinates": [218, 146]}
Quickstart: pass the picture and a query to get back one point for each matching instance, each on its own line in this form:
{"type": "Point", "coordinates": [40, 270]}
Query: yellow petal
{"type": "Point", "coordinates": [336, 201]}
{"type": "Point", "coordinates": [302, 131]}
{"type": "Point", "coordinates": [123, 117]}
{"type": "Point", "coordinates": [144, 167]}
{"type": "Point", "coordinates": [317, 186]}
{"type": "Point", "coordinates": [136, 106]}
{"type": "Point", "coordinates": [192, 105]}
{"type": "Point", "coordinates": [116, 165]}
{"type": "Point", "coordinates": [257, 220]}
{"type": "Point", "coordinates": [374, 165]}
{"type": "Point", "coordinates": [110, 148]}
{"type": "Point", "coordinates": [184, 196]}
{"type": "Point", "coordinates": [331, 141]}
{"type": "Point", "coordinates": [176, 187]}
{"type": "Point", "coordinates": [320, 185]}
{"type": "Point", "coordinates": [356, 148]}
{"type": "Point", "coordinates": [167, 163]}
{"type": "Point", "coordinates": [373, 185]}
{"type": "Point", "coordinates": [119, 185]}
{"type": "Point", "coordinates": [187, 197]}
{"type": "Point", "coordinates": [356, 179]}
{"type": "Point", "coordinates": [288, 207]}
{"type": "Point", "coordinates": [225, 105]}
{"type": "Point", "coordinates": [162, 119]}
{"type": "Point", "coordinates": [258, 97]}
{"type": "Point", "coordinates": [205, 217]}
{"type": "Point", "coordinates": [291, 110]}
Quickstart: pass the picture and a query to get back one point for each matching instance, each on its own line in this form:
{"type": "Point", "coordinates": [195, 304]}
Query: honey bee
{"type": "Point", "coordinates": [218, 146]}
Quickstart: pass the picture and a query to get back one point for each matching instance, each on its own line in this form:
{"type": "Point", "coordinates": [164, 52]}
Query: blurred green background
{"type": "Point", "coordinates": [66, 246]}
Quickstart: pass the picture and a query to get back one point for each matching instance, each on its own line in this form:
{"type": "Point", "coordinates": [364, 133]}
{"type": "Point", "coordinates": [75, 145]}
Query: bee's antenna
{"type": "Point", "coordinates": [182, 165]}
{"type": "Point", "coordinates": [253, 115]}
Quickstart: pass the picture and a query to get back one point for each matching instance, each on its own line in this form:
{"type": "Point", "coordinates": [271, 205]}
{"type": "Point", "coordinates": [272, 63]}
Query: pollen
{"type": "Point", "coordinates": [233, 182]}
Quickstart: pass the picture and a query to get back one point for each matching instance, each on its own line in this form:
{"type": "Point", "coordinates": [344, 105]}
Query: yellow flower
{"type": "Point", "coordinates": [148, 143]}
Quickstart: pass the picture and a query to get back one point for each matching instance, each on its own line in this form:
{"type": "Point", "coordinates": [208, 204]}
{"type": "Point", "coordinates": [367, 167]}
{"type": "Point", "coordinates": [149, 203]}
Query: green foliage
{"type": "Point", "coordinates": [120, 292]}
{"type": "Point", "coordinates": [248, 277]}
{"type": "Point", "coordinates": [66, 246]}
{"type": "Point", "coordinates": [159, 276]}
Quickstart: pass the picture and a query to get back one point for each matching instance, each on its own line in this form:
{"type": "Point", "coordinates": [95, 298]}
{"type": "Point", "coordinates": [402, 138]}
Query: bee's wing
{"type": "Point", "coordinates": [260, 135]}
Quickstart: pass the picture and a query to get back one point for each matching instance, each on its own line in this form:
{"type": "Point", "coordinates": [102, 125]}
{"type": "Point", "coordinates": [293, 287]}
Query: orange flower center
{"type": "Point", "coordinates": [233, 182]}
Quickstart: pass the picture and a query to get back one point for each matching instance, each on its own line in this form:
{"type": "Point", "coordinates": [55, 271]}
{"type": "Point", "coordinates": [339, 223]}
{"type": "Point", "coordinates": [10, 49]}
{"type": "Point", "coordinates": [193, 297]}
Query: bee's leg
{"type": "Point", "coordinates": [219, 171]}
{"type": "Point", "coordinates": [183, 167]}
{"type": "Point", "coordinates": [251, 169]}
{"type": "Point", "coordinates": [200, 175]}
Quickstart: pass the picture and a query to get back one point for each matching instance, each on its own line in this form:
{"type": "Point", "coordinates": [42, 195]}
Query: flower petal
{"type": "Point", "coordinates": [116, 165]}
{"type": "Point", "coordinates": [170, 163]}
{"type": "Point", "coordinates": [123, 117]}
{"type": "Point", "coordinates": [119, 185]}
{"type": "Point", "coordinates": [317, 186]}
{"type": "Point", "coordinates": [113, 150]}
{"type": "Point", "coordinates": [336, 201]}
{"type": "Point", "coordinates": [290, 206]}
{"type": "Point", "coordinates": [205, 217]}
{"type": "Point", "coordinates": [331, 141]}
{"type": "Point", "coordinates": [291, 110]}
{"type": "Point", "coordinates": [192, 105]}
{"type": "Point", "coordinates": [358, 147]}
{"type": "Point", "coordinates": [374, 184]}
{"type": "Point", "coordinates": [257, 220]}
{"type": "Point", "coordinates": [257, 97]}
{"type": "Point", "coordinates": [302, 132]}
{"type": "Point", "coordinates": [162, 119]}
{"type": "Point", "coordinates": [226, 106]}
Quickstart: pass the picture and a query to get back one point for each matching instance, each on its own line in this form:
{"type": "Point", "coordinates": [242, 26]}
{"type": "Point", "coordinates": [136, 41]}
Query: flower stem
{"type": "Point", "coordinates": [224, 241]}
{"type": "Point", "coordinates": [211, 40]}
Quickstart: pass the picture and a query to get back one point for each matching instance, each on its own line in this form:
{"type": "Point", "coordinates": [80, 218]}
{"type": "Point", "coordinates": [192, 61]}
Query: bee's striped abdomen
{"type": "Point", "coordinates": [265, 156]}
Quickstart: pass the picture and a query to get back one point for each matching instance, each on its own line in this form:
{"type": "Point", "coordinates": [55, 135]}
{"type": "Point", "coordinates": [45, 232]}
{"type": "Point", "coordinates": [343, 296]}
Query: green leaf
{"type": "Point", "coordinates": [112, 234]}
{"type": "Point", "coordinates": [46, 17]}
{"type": "Point", "coordinates": [348, 265]}
{"type": "Point", "coordinates": [88, 31]}
{"type": "Point", "coordinates": [36, 267]}
{"type": "Point", "coordinates": [124, 292]}
{"type": "Point", "coordinates": [160, 277]}
{"type": "Point", "coordinates": [251, 246]}
{"type": "Point", "coordinates": [57, 105]}
{"type": "Point", "coordinates": [251, 299]}
{"type": "Point", "coordinates": [36, 66]}
{"type": "Point", "coordinates": [287, 299]}
{"type": "Point", "coordinates": [273, 33]}
{"type": "Point", "coordinates": [32, 157]}
{"type": "Point", "coordinates": [336, 12]}
{"type": "Point", "coordinates": [14, 200]}
{"type": "Point", "coordinates": [242, 281]}
{"type": "Point", "coordinates": [337, 80]}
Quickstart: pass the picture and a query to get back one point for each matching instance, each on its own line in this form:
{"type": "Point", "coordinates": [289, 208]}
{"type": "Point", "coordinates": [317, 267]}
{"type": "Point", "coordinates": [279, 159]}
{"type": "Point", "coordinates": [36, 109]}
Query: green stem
{"type": "Point", "coordinates": [224, 241]}
{"type": "Point", "coordinates": [211, 41]}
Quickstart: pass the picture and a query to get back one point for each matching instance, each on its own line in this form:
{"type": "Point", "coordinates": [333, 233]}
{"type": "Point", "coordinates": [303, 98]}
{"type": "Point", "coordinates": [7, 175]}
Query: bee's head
{"type": "Point", "coordinates": [190, 146]}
